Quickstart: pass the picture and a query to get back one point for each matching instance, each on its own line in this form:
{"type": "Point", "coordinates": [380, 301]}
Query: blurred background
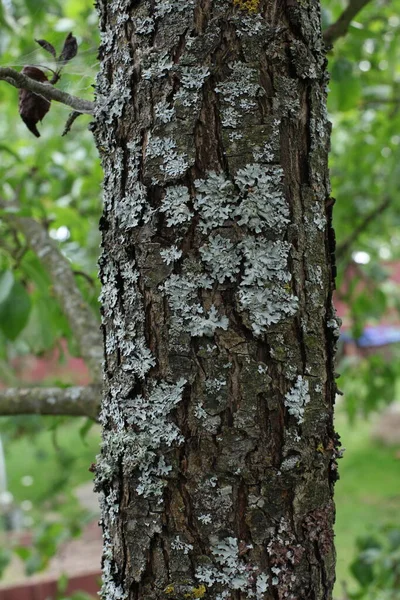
{"type": "Point", "coordinates": [50, 543]}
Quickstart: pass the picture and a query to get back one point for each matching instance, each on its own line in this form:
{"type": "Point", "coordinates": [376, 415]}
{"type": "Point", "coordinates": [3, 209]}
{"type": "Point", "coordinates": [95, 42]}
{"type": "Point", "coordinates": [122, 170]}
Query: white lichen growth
{"type": "Point", "coordinates": [170, 255]}
{"type": "Point", "coordinates": [215, 385]}
{"type": "Point", "coordinates": [178, 544]}
{"type": "Point", "coordinates": [191, 80]}
{"type": "Point", "coordinates": [205, 519]}
{"type": "Point", "coordinates": [264, 289]}
{"type": "Point", "coordinates": [250, 25]}
{"type": "Point", "coordinates": [133, 209]}
{"type": "Point", "coordinates": [188, 313]}
{"type": "Point", "coordinates": [173, 163]}
{"type": "Point", "coordinates": [163, 112]}
{"type": "Point", "coordinates": [297, 399]}
{"type": "Point", "coordinates": [112, 98]}
{"type": "Point", "coordinates": [199, 411]}
{"type": "Point", "coordinates": [290, 463]}
{"type": "Point", "coordinates": [238, 93]}
{"type": "Point", "coordinates": [262, 205]}
{"type": "Point", "coordinates": [214, 198]}
{"type": "Point", "coordinates": [111, 503]}
{"type": "Point", "coordinates": [154, 431]}
{"type": "Point", "coordinates": [319, 216]}
{"type": "Point", "coordinates": [163, 7]}
{"type": "Point", "coordinates": [209, 323]}
{"type": "Point", "coordinates": [110, 590]}
{"type": "Point", "coordinates": [265, 261]}
{"type": "Point", "coordinates": [231, 571]}
{"type": "Point", "coordinates": [335, 324]}
{"type": "Point", "coordinates": [157, 65]}
{"type": "Point", "coordinates": [222, 258]}
{"type": "Point", "coordinates": [175, 205]}
{"type": "Point", "coordinates": [144, 26]}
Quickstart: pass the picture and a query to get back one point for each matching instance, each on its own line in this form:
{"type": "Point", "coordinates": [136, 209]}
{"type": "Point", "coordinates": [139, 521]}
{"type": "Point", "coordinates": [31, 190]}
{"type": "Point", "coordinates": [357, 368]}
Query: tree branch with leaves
{"type": "Point", "coordinates": [341, 26]}
{"type": "Point", "coordinates": [36, 91]}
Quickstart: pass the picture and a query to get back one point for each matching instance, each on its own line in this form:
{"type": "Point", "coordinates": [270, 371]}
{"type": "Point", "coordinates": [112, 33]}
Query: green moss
{"type": "Point", "coordinates": [250, 6]}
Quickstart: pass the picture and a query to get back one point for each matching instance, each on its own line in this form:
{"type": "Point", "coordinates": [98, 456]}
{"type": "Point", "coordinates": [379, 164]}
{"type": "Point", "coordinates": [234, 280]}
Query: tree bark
{"type": "Point", "coordinates": [219, 455]}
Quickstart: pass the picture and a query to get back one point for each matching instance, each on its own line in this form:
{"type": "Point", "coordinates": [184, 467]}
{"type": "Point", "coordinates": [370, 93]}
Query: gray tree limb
{"type": "Point", "coordinates": [341, 26]}
{"type": "Point", "coordinates": [46, 90]}
{"type": "Point", "coordinates": [76, 401]}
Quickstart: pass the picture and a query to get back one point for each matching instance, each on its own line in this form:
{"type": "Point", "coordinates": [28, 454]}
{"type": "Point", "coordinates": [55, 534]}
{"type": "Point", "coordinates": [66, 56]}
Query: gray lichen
{"type": "Point", "coordinates": [297, 399]}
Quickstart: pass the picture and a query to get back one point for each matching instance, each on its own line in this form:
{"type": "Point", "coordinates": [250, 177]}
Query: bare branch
{"type": "Point", "coordinates": [73, 401]}
{"type": "Point", "coordinates": [343, 248]}
{"type": "Point", "coordinates": [46, 90]}
{"type": "Point", "coordinates": [341, 26]}
{"type": "Point", "coordinates": [80, 317]}
{"type": "Point", "coordinates": [70, 121]}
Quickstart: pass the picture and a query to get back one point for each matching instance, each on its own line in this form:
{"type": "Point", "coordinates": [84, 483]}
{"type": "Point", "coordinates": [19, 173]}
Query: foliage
{"type": "Point", "coordinates": [377, 565]}
{"type": "Point", "coordinates": [366, 494]}
{"type": "Point", "coordinates": [62, 585]}
{"type": "Point", "coordinates": [369, 382]}
{"type": "Point", "coordinates": [63, 449]}
{"type": "Point", "coordinates": [364, 106]}
{"type": "Point", "coordinates": [56, 180]}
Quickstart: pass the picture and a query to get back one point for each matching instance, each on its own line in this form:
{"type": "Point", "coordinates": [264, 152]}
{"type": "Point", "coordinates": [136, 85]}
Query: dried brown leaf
{"type": "Point", "coordinates": [70, 48]}
{"type": "Point", "coordinates": [47, 46]}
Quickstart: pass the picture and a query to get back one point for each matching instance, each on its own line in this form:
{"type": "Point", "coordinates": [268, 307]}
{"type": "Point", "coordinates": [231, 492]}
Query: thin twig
{"type": "Point", "coordinates": [70, 121]}
{"type": "Point", "coordinates": [85, 276]}
{"type": "Point", "coordinates": [341, 26]}
{"type": "Point", "coordinates": [46, 90]}
{"type": "Point", "coordinates": [343, 248]}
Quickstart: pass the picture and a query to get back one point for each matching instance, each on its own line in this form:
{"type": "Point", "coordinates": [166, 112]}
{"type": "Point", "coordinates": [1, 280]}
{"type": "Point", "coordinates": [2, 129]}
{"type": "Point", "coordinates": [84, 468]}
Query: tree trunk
{"type": "Point", "coordinates": [218, 459]}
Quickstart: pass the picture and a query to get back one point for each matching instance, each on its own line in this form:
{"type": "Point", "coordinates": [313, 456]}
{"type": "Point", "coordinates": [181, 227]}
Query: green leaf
{"type": "Point", "coordinates": [62, 583]}
{"type": "Point", "coordinates": [34, 564]}
{"type": "Point", "coordinates": [23, 552]}
{"type": "Point", "coordinates": [14, 311]}
{"type": "Point", "coordinates": [362, 571]}
{"type": "Point", "coordinates": [368, 542]}
{"type": "Point", "coordinates": [347, 91]}
{"type": "Point", "coordinates": [6, 284]}
{"type": "Point", "coordinates": [394, 539]}
{"type": "Point", "coordinates": [5, 557]}
{"type": "Point", "coordinates": [45, 324]}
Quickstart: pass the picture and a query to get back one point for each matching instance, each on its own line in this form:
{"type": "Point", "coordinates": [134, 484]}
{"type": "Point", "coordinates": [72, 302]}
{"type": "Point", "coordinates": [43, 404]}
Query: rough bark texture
{"type": "Point", "coordinates": [218, 460]}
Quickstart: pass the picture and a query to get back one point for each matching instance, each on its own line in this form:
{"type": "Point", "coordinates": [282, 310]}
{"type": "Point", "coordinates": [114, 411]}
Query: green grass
{"type": "Point", "coordinates": [367, 494]}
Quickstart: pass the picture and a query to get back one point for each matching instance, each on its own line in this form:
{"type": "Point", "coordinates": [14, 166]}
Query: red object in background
{"type": "Point", "coordinates": [34, 369]}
